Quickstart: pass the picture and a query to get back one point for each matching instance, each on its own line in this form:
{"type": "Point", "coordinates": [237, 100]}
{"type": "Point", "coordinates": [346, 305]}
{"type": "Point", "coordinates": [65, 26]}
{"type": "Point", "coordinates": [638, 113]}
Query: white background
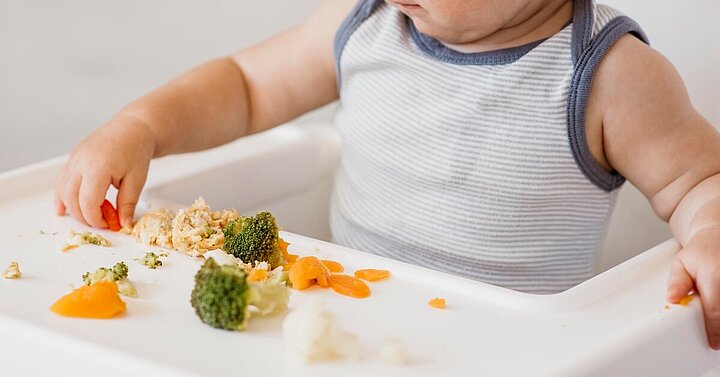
{"type": "Point", "coordinates": [67, 66]}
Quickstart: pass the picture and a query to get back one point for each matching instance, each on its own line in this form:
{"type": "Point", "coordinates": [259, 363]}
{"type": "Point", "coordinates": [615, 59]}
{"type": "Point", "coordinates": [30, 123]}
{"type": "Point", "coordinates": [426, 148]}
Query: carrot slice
{"type": "Point", "coordinates": [100, 300]}
{"type": "Point", "coordinates": [282, 245]}
{"type": "Point", "coordinates": [306, 271]}
{"type": "Point", "coordinates": [257, 275]}
{"type": "Point", "coordinates": [349, 286]}
{"type": "Point", "coordinates": [110, 216]}
{"type": "Point", "coordinates": [437, 303]}
{"type": "Point", "coordinates": [333, 266]}
{"type": "Point", "coordinates": [370, 274]}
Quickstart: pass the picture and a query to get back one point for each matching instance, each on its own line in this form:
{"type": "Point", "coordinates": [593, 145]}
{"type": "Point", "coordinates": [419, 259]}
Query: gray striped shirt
{"type": "Point", "coordinates": [473, 164]}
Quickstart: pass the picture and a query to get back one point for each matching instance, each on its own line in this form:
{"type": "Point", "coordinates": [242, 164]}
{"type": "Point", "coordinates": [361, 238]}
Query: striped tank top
{"type": "Point", "coordinates": [475, 164]}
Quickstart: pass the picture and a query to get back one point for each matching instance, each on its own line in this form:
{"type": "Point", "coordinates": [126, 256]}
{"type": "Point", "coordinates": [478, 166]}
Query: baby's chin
{"type": "Point", "coordinates": [443, 34]}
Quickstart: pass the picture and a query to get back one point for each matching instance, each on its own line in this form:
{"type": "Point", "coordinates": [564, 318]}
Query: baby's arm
{"type": "Point", "coordinates": [253, 90]}
{"type": "Point", "coordinates": [653, 136]}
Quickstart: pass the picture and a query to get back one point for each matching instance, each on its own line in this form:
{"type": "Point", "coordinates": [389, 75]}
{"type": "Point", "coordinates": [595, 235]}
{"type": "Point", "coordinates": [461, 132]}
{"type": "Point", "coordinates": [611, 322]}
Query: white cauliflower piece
{"type": "Point", "coordinates": [222, 258]}
{"type": "Point", "coordinates": [311, 335]}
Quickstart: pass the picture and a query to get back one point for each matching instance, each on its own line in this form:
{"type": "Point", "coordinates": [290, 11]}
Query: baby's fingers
{"type": "Point", "coordinates": [69, 197]}
{"type": "Point", "coordinates": [128, 194]}
{"type": "Point", "coordinates": [679, 282]}
{"type": "Point", "coordinates": [59, 206]}
{"type": "Point", "coordinates": [91, 195]}
{"type": "Point", "coordinates": [710, 296]}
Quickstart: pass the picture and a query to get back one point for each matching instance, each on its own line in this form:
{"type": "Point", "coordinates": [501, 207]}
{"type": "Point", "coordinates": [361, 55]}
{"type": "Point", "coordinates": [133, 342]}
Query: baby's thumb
{"type": "Point", "coordinates": [127, 198]}
{"type": "Point", "coordinates": [680, 283]}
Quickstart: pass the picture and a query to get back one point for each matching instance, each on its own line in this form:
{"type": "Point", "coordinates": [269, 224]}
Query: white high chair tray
{"type": "Point", "coordinates": [616, 324]}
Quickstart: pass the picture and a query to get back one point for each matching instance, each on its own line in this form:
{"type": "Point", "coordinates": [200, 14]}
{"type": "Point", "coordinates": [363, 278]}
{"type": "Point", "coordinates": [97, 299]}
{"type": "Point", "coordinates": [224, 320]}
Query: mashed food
{"type": "Point", "coordinates": [195, 230]}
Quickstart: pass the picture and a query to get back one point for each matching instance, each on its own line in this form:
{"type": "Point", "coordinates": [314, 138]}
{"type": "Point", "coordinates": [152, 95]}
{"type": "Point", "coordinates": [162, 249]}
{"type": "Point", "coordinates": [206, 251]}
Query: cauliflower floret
{"type": "Point", "coordinates": [198, 230]}
{"type": "Point", "coordinates": [311, 335]}
{"type": "Point", "coordinates": [155, 228]}
{"type": "Point", "coordinates": [222, 258]}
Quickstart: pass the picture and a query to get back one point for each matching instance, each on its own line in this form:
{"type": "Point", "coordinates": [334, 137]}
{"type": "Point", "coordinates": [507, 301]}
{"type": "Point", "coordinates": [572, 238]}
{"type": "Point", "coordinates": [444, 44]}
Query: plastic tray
{"type": "Point", "coordinates": [615, 324]}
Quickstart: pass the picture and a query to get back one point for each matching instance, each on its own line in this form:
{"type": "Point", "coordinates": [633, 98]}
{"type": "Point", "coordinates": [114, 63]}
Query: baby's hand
{"type": "Point", "coordinates": [118, 153]}
{"type": "Point", "coordinates": [697, 266]}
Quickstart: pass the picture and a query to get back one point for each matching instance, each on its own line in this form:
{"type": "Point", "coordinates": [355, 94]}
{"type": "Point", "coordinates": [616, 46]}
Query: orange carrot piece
{"type": "Point", "coordinates": [291, 258]}
{"type": "Point", "coordinates": [282, 245]}
{"type": "Point", "coordinates": [437, 303]}
{"type": "Point", "coordinates": [685, 300]}
{"type": "Point", "coordinates": [349, 286]}
{"type": "Point", "coordinates": [110, 215]}
{"type": "Point", "coordinates": [100, 300]}
{"type": "Point", "coordinates": [370, 274]}
{"type": "Point", "coordinates": [256, 275]}
{"type": "Point", "coordinates": [308, 268]}
{"type": "Point", "coordinates": [333, 266]}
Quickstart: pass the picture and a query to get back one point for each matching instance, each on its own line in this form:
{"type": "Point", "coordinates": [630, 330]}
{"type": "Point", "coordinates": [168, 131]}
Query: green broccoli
{"type": "Point", "coordinates": [254, 239]}
{"type": "Point", "coordinates": [150, 260]}
{"type": "Point", "coordinates": [118, 274]}
{"type": "Point", "coordinates": [223, 297]}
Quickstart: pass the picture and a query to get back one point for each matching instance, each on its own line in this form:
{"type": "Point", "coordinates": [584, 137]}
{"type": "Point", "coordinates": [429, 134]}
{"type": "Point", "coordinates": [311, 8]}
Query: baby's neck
{"type": "Point", "coordinates": [532, 24]}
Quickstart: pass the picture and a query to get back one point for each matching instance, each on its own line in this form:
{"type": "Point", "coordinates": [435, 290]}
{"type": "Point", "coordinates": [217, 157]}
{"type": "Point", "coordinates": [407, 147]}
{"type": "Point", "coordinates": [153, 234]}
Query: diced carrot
{"type": "Point", "coordinates": [308, 269]}
{"type": "Point", "coordinates": [257, 274]}
{"type": "Point", "coordinates": [437, 303]}
{"type": "Point", "coordinates": [333, 266]}
{"type": "Point", "coordinates": [322, 278]}
{"type": "Point", "coordinates": [292, 258]}
{"type": "Point", "coordinates": [349, 286]}
{"type": "Point", "coordinates": [370, 274]}
{"type": "Point", "coordinates": [110, 216]}
{"type": "Point", "coordinates": [100, 300]}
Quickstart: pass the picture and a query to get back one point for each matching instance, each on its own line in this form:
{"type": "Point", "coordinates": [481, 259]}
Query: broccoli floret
{"type": "Point", "coordinates": [118, 274]}
{"type": "Point", "coordinates": [223, 297]}
{"type": "Point", "coordinates": [150, 260]}
{"type": "Point", "coordinates": [254, 239]}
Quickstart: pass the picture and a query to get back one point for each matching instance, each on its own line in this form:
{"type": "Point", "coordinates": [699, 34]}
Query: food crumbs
{"type": "Point", "coordinates": [77, 238]}
{"type": "Point", "coordinates": [68, 247]}
{"type": "Point", "coordinates": [685, 300]}
{"type": "Point", "coordinates": [13, 271]}
{"type": "Point", "coordinates": [437, 303]}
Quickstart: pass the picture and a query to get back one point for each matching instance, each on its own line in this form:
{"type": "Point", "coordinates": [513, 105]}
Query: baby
{"type": "Point", "coordinates": [485, 138]}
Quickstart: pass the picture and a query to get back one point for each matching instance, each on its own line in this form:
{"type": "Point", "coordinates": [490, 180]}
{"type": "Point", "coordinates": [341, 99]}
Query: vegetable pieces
{"type": "Point", "coordinates": [254, 239]}
{"type": "Point", "coordinates": [349, 286]}
{"type": "Point", "coordinates": [117, 274]}
{"type": "Point", "coordinates": [224, 298]}
{"type": "Point", "coordinates": [308, 271]}
{"type": "Point", "coordinates": [437, 303]}
{"type": "Point", "coordinates": [370, 274]}
{"type": "Point", "coordinates": [13, 271]}
{"type": "Point", "coordinates": [100, 300]}
{"type": "Point", "coordinates": [110, 216]}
